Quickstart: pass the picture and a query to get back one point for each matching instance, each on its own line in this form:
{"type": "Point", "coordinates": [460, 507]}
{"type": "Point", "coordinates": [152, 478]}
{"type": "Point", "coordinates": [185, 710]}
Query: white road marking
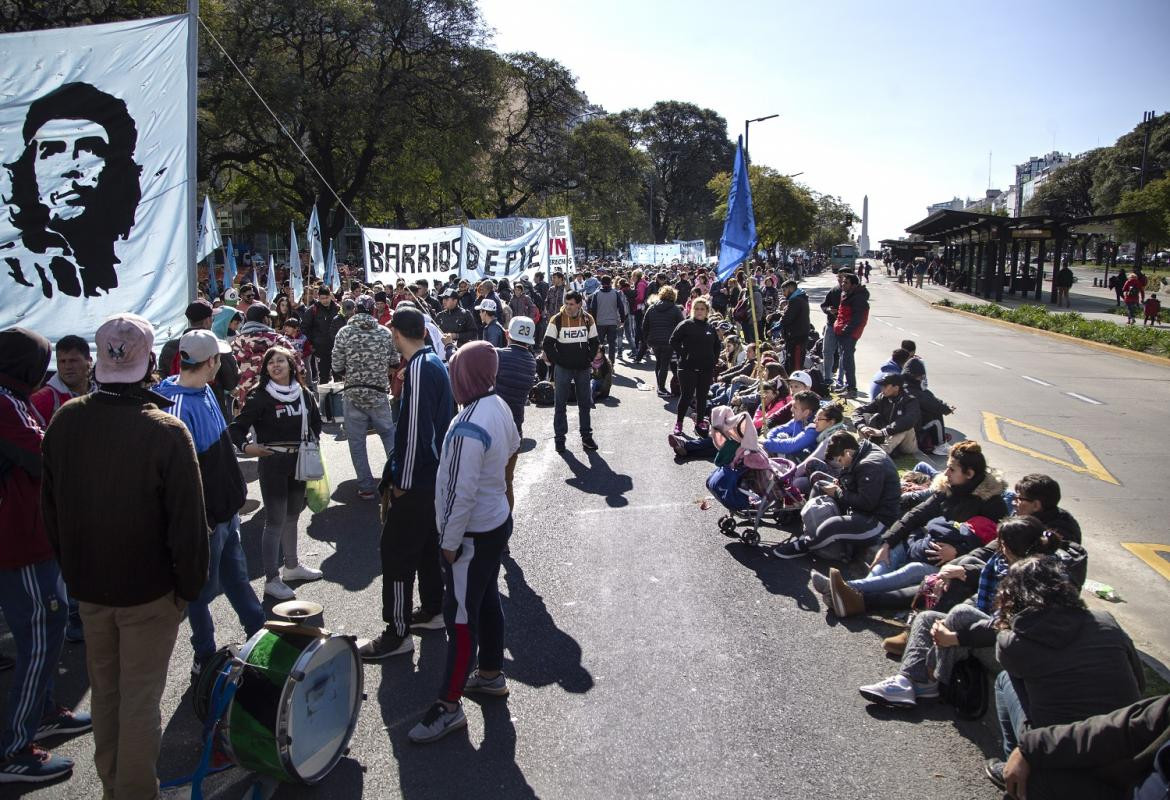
{"type": "Point", "coordinates": [1035, 380]}
{"type": "Point", "coordinates": [964, 355]}
{"type": "Point", "coordinates": [937, 344]}
{"type": "Point", "coordinates": [1085, 399]}
{"type": "Point", "coordinates": [899, 327]}
{"type": "Point", "coordinates": [997, 366]}
{"type": "Point", "coordinates": [913, 333]}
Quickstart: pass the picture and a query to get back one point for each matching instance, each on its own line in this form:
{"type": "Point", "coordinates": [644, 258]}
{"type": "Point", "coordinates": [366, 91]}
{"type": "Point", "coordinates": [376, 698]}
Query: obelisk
{"type": "Point", "coordinates": [863, 244]}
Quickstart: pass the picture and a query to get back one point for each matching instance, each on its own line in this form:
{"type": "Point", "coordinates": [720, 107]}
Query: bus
{"type": "Point", "coordinates": [843, 255]}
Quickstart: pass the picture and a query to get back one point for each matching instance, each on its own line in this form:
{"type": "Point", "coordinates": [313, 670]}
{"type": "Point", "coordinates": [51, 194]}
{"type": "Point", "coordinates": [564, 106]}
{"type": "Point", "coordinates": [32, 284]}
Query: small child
{"type": "Point", "coordinates": [292, 332]}
{"type": "Point", "coordinates": [1153, 307]}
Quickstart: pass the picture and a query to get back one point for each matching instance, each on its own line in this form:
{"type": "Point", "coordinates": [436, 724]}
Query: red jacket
{"type": "Point", "coordinates": [853, 313]}
{"type": "Point", "coordinates": [1131, 290]}
{"type": "Point", "coordinates": [22, 530]}
{"type": "Point", "coordinates": [50, 397]}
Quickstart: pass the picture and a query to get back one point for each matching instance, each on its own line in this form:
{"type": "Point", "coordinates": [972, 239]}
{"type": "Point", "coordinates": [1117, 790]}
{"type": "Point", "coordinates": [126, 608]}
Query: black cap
{"type": "Point", "coordinates": [257, 312]}
{"type": "Point", "coordinates": [891, 379]}
{"type": "Point", "coordinates": [409, 322]}
{"type": "Point", "coordinates": [914, 368]}
{"type": "Point", "coordinates": [379, 297]}
{"type": "Point", "coordinates": [450, 293]}
{"type": "Point", "coordinates": [198, 311]}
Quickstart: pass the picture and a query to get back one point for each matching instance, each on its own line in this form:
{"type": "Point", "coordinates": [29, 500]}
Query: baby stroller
{"type": "Point", "coordinates": [749, 484]}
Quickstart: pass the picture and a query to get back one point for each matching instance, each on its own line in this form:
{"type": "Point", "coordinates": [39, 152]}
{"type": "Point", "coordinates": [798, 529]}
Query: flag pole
{"type": "Point", "coordinates": [192, 143]}
{"type": "Point", "coordinates": [750, 284]}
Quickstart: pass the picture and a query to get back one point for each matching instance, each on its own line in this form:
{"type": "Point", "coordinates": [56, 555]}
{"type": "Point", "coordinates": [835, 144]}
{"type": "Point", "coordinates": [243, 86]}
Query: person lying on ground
{"type": "Point", "coordinates": [1062, 662]}
{"type": "Point", "coordinates": [775, 394]}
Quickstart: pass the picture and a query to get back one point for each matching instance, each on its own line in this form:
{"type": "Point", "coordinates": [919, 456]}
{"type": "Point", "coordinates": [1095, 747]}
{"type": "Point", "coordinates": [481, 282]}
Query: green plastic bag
{"type": "Point", "coordinates": [317, 492]}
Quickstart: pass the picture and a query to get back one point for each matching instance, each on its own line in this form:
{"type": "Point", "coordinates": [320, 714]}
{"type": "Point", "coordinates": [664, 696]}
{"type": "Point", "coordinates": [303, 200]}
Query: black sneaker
{"type": "Point", "coordinates": [422, 620]}
{"type": "Point", "coordinates": [587, 442]}
{"type": "Point", "coordinates": [385, 645]}
{"type": "Point", "coordinates": [789, 549]}
{"type": "Point", "coordinates": [993, 769]}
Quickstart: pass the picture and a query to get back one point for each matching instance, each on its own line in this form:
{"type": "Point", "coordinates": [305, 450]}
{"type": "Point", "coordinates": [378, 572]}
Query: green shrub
{"type": "Point", "coordinates": [1131, 337]}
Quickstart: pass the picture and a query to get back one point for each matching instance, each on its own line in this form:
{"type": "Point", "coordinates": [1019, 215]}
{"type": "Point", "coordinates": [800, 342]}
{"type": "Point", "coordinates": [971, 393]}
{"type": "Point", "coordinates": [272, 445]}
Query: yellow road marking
{"type": "Point", "coordinates": [1149, 554]}
{"type": "Point", "coordinates": [1089, 465]}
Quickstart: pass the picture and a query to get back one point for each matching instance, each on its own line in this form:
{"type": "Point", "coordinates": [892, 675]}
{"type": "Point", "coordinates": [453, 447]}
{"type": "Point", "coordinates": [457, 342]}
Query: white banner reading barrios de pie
{"type": "Point", "coordinates": [484, 257]}
{"type": "Point", "coordinates": [436, 253]}
{"type": "Point", "coordinates": [94, 177]}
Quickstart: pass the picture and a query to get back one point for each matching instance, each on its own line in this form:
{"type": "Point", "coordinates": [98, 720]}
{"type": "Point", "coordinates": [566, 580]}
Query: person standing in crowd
{"type": "Point", "coordinates": [250, 346]}
{"type": "Point", "coordinates": [521, 305]}
{"type": "Point", "coordinates": [608, 308]}
{"type": "Point", "coordinates": [133, 571]}
{"type": "Point", "coordinates": [1064, 281]}
{"type": "Point", "coordinates": [830, 305]}
{"type": "Point", "coordinates": [554, 298]}
{"type": "Point", "coordinates": [410, 540]}
{"type": "Point", "coordinates": [794, 325]}
{"type": "Point", "coordinates": [570, 343]}
{"type": "Point", "coordinates": [661, 318]}
{"type": "Point", "coordinates": [274, 409]}
{"type": "Point", "coordinates": [474, 523]}
{"type": "Point", "coordinates": [852, 316]}
{"type": "Point", "coordinates": [455, 321]}
{"type": "Point", "coordinates": [199, 315]}
{"type": "Point", "coordinates": [514, 381]}
{"type": "Point", "coordinates": [71, 380]}
{"type": "Point", "coordinates": [32, 593]}
{"type": "Point", "coordinates": [364, 357]}
{"type": "Point", "coordinates": [1131, 292]}
{"type": "Point", "coordinates": [697, 346]}
{"type": "Point", "coordinates": [492, 331]}
{"type": "Point", "coordinates": [539, 293]}
{"type": "Point", "coordinates": [317, 323]}
{"type": "Point", "coordinates": [224, 490]}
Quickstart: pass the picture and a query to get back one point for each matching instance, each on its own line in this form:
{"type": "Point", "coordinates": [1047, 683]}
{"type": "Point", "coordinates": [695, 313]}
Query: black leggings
{"type": "Point", "coordinates": [662, 365]}
{"type": "Point", "coordinates": [693, 383]}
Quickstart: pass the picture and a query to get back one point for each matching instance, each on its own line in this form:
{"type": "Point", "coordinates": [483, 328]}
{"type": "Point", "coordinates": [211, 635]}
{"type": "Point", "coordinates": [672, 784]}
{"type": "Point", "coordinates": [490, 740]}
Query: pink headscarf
{"type": "Point", "coordinates": [473, 371]}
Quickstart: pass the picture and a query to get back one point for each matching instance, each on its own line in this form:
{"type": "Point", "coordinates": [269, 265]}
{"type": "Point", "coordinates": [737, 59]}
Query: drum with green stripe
{"type": "Point", "coordinates": [296, 706]}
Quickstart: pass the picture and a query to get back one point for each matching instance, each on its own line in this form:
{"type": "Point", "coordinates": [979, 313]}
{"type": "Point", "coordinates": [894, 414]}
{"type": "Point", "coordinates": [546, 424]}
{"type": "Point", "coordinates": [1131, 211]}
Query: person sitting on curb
{"type": "Point", "coordinates": [799, 436]}
{"type": "Point", "coordinates": [891, 419]}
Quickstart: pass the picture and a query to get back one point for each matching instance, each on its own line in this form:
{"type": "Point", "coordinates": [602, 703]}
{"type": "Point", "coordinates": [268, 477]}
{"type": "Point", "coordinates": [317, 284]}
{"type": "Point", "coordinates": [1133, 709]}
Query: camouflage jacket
{"type": "Point", "coordinates": [249, 347]}
{"type": "Point", "coordinates": [364, 354]}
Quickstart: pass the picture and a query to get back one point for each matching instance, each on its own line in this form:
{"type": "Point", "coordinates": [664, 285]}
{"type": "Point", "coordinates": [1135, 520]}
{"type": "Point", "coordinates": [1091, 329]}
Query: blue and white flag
{"type": "Point", "coordinates": [334, 280]}
{"type": "Point", "coordinates": [270, 289]}
{"type": "Point", "coordinates": [229, 265]}
{"type": "Point", "coordinates": [208, 240]}
{"type": "Point", "coordinates": [739, 230]}
{"type": "Point", "coordinates": [316, 251]}
{"type": "Point", "coordinates": [296, 281]}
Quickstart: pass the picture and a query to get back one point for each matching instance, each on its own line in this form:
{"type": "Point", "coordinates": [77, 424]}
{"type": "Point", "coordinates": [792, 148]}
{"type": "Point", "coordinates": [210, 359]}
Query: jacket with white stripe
{"type": "Point", "coordinates": [424, 414]}
{"type": "Point", "coordinates": [470, 495]}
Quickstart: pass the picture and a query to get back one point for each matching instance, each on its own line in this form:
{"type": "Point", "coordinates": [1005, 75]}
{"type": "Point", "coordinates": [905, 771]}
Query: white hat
{"type": "Point", "coordinates": [521, 329]}
{"type": "Point", "coordinates": [199, 345]}
{"type": "Point", "coordinates": [803, 377]}
{"type": "Point", "coordinates": [487, 305]}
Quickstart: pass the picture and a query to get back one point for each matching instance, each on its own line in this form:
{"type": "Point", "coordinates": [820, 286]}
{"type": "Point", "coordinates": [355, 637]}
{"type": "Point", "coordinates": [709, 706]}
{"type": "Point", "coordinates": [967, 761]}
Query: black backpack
{"type": "Point", "coordinates": [542, 394]}
{"type": "Point", "coordinates": [967, 692]}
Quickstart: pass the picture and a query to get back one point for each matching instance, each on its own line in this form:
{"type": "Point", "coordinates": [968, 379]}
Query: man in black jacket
{"type": "Point", "coordinates": [829, 342]}
{"type": "Point", "coordinates": [794, 325]}
{"type": "Point", "coordinates": [455, 321]}
{"type": "Point", "coordinates": [318, 326]}
{"type": "Point", "coordinates": [570, 343]}
{"type": "Point", "coordinates": [890, 419]}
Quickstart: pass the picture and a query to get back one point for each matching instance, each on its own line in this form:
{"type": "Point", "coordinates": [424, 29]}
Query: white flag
{"type": "Point", "coordinates": [334, 278]}
{"type": "Point", "coordinates": [316, 251]}
{"type": "Point", "coordinates": [296, 280]}
{"type": "Point", "coordinates": [208, 240]}
{"type": "Point", "coordinates": [270, 289]}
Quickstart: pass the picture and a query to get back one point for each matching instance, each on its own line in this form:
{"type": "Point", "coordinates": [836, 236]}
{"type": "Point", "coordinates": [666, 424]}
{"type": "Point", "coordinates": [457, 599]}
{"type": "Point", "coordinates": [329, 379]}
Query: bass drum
{"type": "Point", "coordinates": [297, 703]}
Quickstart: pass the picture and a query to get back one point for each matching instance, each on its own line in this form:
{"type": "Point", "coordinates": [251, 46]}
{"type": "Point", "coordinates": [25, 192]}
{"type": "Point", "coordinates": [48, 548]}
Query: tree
{"type": "Point", "coordinates": [1068, 190]}
{"type": "Point", "coordinates": [834, 218]}
{"type": "Point", "coordinates": [1154, 201]}
{"type": "Point", "coordinates": [785, 211]}
{"type": "Point", "coordinates": [687, 146]}
{"type": "Point", "coordinates": [1119, 167]}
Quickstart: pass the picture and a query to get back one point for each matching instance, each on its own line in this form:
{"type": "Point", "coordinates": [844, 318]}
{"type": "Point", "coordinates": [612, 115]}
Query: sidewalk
{"type": "Point", "coordinates": [1091, 302]}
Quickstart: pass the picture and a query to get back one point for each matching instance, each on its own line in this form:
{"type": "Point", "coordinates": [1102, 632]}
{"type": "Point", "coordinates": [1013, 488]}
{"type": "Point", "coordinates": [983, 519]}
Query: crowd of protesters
{"type": "Point", "coordinates": [442, 372]}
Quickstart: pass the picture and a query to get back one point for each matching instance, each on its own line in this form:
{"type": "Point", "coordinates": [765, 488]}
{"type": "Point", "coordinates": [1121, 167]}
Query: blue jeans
{"type": "Point", "coordinates": [898, 574]}
{"type": "Point", "coordinates": [33, 599]}
{"type": "Point", "coordinates": [357, 421]}
{"type": "Point", "coordinates": [227, 571]}
{"type": "Point", "coordinates": [1010, 711]}
{"type": "Point", "coordinates": [580, 379]}
{"type": "Point", "coordinates": [829, 354]}
{"type": "Point", "coordinates": [846, 345]}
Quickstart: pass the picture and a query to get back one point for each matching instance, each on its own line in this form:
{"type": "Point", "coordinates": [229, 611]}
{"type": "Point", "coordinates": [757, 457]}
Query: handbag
{"type": "Point", "coordinates": [310, 467]}
{"type": "Point", "coordinates": [816, 511]}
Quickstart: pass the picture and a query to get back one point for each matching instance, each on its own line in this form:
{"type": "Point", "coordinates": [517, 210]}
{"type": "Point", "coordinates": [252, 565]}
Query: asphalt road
{"type": "Point", "coordinates": [650, 657]}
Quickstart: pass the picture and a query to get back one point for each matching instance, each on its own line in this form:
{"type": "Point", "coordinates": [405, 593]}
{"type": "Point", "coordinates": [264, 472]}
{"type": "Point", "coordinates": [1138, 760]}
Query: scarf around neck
{"type": "Point", "coordinates": [284, 394]}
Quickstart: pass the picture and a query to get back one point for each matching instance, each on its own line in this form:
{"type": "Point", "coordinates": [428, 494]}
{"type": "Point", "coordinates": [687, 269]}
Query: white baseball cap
{"type": "Point", "coordinates": [197, 346]}
{"type": "Point", "coordinates": [487, 305]}
{"type": "Point", "coordinates": [521, 329]}
{"type": "Point", "coordinates": [803, 377]}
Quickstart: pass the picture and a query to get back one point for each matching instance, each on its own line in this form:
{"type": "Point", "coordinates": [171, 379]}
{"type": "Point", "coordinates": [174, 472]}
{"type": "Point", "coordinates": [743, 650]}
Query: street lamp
{"type": "Point", "coordinates": [747, 125]}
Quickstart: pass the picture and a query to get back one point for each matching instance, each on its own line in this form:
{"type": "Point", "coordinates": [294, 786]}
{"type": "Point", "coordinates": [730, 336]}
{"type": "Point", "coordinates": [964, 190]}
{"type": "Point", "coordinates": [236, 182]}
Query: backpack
{"type": "Point", "coordinates": [723, 484]}
{"type": "Point", "coordinates": [542, 394]}
{"type": "Point", "coordinates": [967, 692]}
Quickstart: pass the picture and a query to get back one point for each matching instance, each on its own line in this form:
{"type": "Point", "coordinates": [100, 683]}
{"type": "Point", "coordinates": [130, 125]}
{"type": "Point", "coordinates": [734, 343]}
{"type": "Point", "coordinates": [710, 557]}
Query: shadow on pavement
{"type": "Point", "coordinates": [550, 656]}
{"type": "Point", "coordinates": [352, 532]}
{"type": "Point", "coordinates": [778, 576]}
{"type": "Point", "coordinates": [597, 477]}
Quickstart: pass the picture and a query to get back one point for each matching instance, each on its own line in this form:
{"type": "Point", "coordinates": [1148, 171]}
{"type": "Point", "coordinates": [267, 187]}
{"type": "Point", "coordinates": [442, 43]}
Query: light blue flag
{"type": "Point", "coordinates": [212, 286]}
{"type": "Point", "coordinates": [739, 230]}
{"type": "Point", "coordinates": [317, 261]}
{"type": "Point", "coordinates": [296, 279]}
{"type": "Point", "coordinates": [270, 289]}
{"type": "Point", "coordinates": [229, 265]}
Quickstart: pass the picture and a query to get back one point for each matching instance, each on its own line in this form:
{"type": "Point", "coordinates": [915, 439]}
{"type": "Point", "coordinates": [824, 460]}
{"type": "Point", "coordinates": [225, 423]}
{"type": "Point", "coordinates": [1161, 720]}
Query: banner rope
{"type": "Point", "coordinates": [272, 113]}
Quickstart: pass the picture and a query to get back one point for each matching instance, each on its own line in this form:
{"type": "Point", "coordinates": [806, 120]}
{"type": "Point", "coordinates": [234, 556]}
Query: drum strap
{"type": "Point", "coordinates": [221, 698]}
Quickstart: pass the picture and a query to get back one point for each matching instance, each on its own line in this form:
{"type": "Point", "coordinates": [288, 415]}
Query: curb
{"type": "Point", "coordinates": [1149, 358]}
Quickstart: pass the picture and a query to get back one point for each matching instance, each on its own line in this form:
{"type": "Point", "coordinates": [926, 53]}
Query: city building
{"type": "Point", "coordinates": [1031, 175]}
{"type": "Point", "coordinates": [955, 204]}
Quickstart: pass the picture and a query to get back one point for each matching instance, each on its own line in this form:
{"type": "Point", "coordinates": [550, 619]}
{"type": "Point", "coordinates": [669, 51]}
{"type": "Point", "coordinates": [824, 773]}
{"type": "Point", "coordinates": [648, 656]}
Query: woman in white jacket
{"type": "Point", "coordinates": [474, 521]}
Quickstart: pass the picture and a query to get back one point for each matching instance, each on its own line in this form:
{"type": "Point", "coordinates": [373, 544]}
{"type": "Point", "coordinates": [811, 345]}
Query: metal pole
{"type": "Point", "coordinates": [192, 144]}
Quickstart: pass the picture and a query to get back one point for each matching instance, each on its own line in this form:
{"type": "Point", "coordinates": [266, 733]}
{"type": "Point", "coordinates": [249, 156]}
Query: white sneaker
{"type": "Point", "coordinates": [437, 723]}
{"type": "Point", "coordinates": [279, 589]}
{"type": "Point", "coordinates": [896, 692]}
{"type": "Point", "coordinates": [941, 450]}
{"type": "Point", "coordinates": [301, 573]}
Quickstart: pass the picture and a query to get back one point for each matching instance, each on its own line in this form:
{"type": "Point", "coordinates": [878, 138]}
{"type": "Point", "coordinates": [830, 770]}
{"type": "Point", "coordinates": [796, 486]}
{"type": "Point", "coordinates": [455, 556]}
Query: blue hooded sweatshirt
{"type": "Point", "coordinates": [789, 438]}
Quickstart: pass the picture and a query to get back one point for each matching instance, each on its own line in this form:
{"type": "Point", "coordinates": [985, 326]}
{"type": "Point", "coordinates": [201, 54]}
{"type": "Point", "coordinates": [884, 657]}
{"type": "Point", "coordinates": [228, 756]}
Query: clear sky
{"type": "Point", "coordinates": [901, 100]}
